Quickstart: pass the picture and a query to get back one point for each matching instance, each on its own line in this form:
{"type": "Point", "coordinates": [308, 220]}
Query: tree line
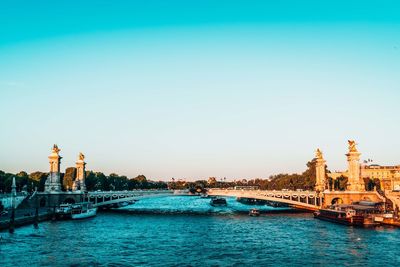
{"type": "Point", "coordinates": [94, 181]}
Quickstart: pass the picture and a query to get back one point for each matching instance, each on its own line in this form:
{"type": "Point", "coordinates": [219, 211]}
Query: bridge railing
{"type": "Point", "coordinates": [302, 192]}
{"type": "Point", "coordinates": [126, 192]}
{"type": "Point", "coordinates": [112, 197]}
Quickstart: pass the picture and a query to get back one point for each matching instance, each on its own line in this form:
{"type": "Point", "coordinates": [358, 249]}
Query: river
{"type": "Point", "coordinates": [187, 231]}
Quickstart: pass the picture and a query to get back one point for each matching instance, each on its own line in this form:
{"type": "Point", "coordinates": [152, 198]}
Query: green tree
{"type": "Point", "coordinates": [22, 180]}
{"type": "Point", "coordinates": [69, 178]}
{"type": "Point", "coordinates": [38, 179]}
{"type": "Point", "coordinates": [92, 182]}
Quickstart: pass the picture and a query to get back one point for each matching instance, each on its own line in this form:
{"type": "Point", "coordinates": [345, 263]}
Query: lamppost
{"type": "Point", "coordinates": [36, 220]}
{"type": "Point", "coordinates": [13, 195]}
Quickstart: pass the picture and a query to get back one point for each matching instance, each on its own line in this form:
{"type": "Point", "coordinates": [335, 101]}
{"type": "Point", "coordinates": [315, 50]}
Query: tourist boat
{"type": "Point", "coordinates": [362, 213]}
{"type": "Point", "coordinates": [218, 202]}
{"type": "Point", "coordinates": [254, 212]}
{"type": "Point", "coordinates": [347, 217]}
{"type": "Point", "coordinates": [83, 210]}
{"type": "Point", "coordinates": [63, 212]}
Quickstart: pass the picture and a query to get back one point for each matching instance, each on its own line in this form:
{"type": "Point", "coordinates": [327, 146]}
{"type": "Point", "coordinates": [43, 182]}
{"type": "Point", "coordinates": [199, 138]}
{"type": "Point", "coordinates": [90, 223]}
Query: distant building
{"type": "Point", "coordinates": [389, 176]}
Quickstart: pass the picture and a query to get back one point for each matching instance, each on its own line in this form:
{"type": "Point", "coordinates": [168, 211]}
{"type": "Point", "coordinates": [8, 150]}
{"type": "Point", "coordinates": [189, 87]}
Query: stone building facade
{"type": "Point", "coordinates": [388, 175]}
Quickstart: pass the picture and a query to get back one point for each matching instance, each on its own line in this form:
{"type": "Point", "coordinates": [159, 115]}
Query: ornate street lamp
{"type": "Point", "coordinates": [13, 195]}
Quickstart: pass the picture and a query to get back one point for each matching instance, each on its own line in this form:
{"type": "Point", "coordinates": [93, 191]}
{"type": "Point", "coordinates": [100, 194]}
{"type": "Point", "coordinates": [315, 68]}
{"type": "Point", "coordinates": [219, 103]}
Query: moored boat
{"type": "Point", "coordinates": [63, 212]}
{"type": "Point", "coordinates": [218, 202]}
{"type": "Point", "coordinates": [83, 210]}
{"type": "Point", "coordinates": [363, 213]}
{"type": "Point", "coordinates": [346, 217]}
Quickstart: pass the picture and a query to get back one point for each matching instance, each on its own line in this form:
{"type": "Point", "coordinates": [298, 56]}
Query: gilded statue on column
{"type": "Point", "coordinates": [318, 154]}
{"type": "Point", "coordinates": [56, 149]}
{"type": "Point", "coordinates": [352, 146]}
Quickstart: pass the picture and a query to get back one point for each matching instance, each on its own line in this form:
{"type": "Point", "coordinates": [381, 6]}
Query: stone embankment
{"type": "Point", "coordinates": [24, 217]}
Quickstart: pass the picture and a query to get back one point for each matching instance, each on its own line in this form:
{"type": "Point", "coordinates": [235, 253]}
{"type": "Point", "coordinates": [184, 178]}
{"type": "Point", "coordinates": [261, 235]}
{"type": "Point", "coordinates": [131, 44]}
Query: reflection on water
{"type": "Point", "coordinates": [192, 205]}
{"type": "Point", "coordinates": [211, 239]}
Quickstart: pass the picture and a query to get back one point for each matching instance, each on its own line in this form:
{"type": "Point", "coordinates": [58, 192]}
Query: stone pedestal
{"type": "Point", "coordinates": [79, 183]}
{"type": "Point", "coordinates": [53, 180]}
{"type": "Point", "coordinates": [320, 182]}
{"type": "Point", "coordinates": [53, 183]}
{"type": "Point", "coordinates": [355, 182]}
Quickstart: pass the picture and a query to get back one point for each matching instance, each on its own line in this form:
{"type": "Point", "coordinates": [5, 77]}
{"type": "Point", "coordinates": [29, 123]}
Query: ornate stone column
{"type": "Point", "coordinates": [13, 193]}
{"type": "Point", "coordinates": [396, 181]}
{"type": "Point", "coordinates": [79, 183]}
{"type": "Point", "coordinates": [355, 181]}
{"type": "Point", "coordinates": [53, 180]}
{"type": "Point", "coordinates": [320, 182]}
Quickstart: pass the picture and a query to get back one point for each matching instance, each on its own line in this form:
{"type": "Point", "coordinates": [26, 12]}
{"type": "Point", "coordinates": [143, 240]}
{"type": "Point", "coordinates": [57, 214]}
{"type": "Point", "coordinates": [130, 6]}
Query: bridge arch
{"type": "Point", "coordinates": [337, 200]}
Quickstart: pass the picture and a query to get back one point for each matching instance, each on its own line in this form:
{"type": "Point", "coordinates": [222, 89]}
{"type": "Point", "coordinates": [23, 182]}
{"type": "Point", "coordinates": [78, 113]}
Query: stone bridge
{"type": "Point", "coordinates": [305, 200]}
{"type": "Point", "coordinates": [113, 197]}
{"type": "Point", "coordinates": [98, 198]}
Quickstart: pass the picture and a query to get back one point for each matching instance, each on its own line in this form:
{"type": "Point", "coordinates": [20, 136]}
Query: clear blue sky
{"type": "Point", "coordinates": [192, 89]}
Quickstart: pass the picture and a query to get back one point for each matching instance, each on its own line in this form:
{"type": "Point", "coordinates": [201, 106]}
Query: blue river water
{"type": "Point", "coordinates": [187, 231]}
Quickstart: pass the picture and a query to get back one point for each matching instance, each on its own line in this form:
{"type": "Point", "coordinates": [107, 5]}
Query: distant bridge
{"type": "Point", "coordinates": [305, 200]}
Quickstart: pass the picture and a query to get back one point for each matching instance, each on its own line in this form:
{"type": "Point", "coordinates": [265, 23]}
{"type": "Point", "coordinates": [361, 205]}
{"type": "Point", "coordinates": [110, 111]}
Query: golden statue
{"type": "Point", "coordinates": [81, 156]}
{"type": "Point", "coordinates": [318, 154]}
{"type": "Point", "coordinates": [56, 149]}
{"type": "Point", "coordinates": [352, 146]}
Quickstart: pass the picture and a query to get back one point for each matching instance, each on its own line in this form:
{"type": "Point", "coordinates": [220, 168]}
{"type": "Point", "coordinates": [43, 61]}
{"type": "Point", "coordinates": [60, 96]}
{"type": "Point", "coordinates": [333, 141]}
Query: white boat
{"type": "Point", "coordinates": [83, 210]}
{"type": "Point", "coordinates": [64, 211]}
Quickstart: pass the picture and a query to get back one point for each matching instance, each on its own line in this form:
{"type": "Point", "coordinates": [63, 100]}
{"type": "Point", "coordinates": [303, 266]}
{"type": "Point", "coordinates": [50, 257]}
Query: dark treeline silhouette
{"type": "Point", "coordinates": [94, 181]}
{"type": "Point", "coordinates": [99, 181]}
{"type": "Point", "coordinates": [305, 181]}
{"type": "Point", "coordinates": [23, 181]}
